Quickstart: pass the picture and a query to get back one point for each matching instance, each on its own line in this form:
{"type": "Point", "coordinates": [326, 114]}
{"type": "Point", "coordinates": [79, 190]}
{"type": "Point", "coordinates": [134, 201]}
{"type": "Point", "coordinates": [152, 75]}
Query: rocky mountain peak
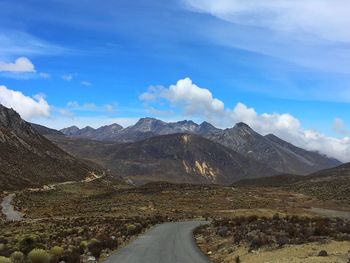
{"type": "Point", "coordinates": [206, 128]}
{"type": "Point", "coordinates": [243, 129]}
{"type": "Point", "coordinates": [148, 124]}
{"type": "Point", "coordinates": [10, 119]}
{"type": "Point", "coordinates": [147, 120]}
{"type": "Point", "coordinates": [187, 122]}
{"type": "Point", "coordinates": [115, 126]}
{"type": "Point", "coordinates": [70, 130]}
{"type": "Point", "coordinates": [242, 125]}
{"type": "Point", "coordinates": [87, 128]}
{"type": "Point", "coordinates": [183, 126]}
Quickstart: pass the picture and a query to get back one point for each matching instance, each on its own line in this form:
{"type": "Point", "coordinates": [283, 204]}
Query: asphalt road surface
{"type": "Point", "coordinates": [165, 243]}
{"type": "Point", "coordinates": [330, 213]}
{"type": "Point", "coordinates": [8, 209]}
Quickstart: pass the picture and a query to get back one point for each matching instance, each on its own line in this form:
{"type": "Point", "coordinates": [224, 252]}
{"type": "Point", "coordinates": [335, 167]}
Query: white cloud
{"type": "Point", "coordinates": [310, 33]}
{"type": "Point", "coordinates": [17, 43]}
{"type": "Point", "coordinates": [44, 75]}
{"type": "Point", "coordinates": [67, 77]}
{"type": "Point", "coordinates": [340, 127]}
{"type": "Point", "coordinates": [91, 107]}
{"type": "Point", "coordinates": [193, 98]}
{"type": "Point", "coordinates": [86, 83]}
{"type": "Point", "coordinates": [322, 18]}
{"type": "Point", "coordinates": [21, 65]}
{"type": "Point", "coordinates": [198, 102]}
{"type": "Point", "coordinates": [27, 107]}
{"type": "Point", "coordinates": [109, 108]}
{"type": "Point", "coordinates": [65, 112]}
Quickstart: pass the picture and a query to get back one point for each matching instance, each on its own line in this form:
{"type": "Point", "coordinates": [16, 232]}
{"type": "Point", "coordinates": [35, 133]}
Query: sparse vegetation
{"type": "Point", "coordinates": [17, 257]}
{"type": "Point", "coordinates": [67, 239]}
{"type": "Point", "coordinates": [255, 233]}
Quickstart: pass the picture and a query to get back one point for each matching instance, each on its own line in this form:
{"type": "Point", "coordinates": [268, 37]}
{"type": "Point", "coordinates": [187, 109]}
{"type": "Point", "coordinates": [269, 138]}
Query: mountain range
{"type": "Point", "coordinates": [143, 129]}
{"type": "Point", "coordinates": [274, 152]}
{"type": "Point", "coordinates": [150, 150]}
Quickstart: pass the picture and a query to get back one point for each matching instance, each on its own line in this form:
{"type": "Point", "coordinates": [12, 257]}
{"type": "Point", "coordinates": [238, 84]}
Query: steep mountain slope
{"type": "Point", "coordinates": [43, 130]}
{"type": "Point", "coordinates": [174, 158]}
{"type": "Point", "coordinates": [278, 154]}
{"type": "Point", "coordinates": [28, 159]}
{"type": "Point", "coordinates": [322, 161]}
{"type": "Point", "coordinates": [70, 131]}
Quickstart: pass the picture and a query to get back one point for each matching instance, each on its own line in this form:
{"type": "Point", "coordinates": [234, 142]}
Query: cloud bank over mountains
{"type": "Point", "coordinates": [194, 101]}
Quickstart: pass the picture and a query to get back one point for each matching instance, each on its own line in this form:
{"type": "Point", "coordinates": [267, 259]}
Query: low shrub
{"type": "Point", "coordinates": [131, 229]}
{"type": "Point", "coordinates": [38, 255]}
{"type": "Point", "coordinates": [95, 247]}
{"type": "Point", "coordinates": [71, 255]}
{"type": "Point", "coordinates": [56, 253]}
{"type": "Point", "coordinates": [17, 257]}
{"type": "Point", "coordinates": [27, 243]}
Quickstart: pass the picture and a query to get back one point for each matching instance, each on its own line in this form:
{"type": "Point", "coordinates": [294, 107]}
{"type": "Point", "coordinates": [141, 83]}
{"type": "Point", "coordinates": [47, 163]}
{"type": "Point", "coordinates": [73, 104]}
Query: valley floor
{"type": "Point", "coordinates": [82, 216]}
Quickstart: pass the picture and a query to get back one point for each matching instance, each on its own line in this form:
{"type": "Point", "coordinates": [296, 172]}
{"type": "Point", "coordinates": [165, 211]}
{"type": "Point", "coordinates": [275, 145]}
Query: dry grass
{"type": "Point", "coordinates": [101, 198]}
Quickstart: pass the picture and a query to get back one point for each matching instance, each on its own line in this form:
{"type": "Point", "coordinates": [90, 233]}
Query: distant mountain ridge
{"type": "Point", "coordinates": [104, 133]}
{"type": "Point", "coordinates": [271, 150]}
{"type": "Point", "coordinates": [27, 159]}
{"type": "Point", "coordinates": [143, 129]}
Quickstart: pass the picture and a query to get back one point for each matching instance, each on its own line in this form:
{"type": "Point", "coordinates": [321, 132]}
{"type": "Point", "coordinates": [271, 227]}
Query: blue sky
{"type": "Point", "coordinates": [90, 62]}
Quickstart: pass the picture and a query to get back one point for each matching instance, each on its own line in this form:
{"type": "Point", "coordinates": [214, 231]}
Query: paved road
{"type": "Point", "coordinates": [330, 213]}
{"type": "Point", "coordinates": [8, 209]}
{"type": "Point", "coordinates": [165, 243]}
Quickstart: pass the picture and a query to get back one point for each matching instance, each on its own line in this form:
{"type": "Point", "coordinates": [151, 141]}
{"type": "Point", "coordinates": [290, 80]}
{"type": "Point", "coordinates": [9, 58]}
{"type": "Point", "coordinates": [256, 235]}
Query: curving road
{"type": "Point", "coordinates": [8, 209]}
{"type": "Point", "coordinates": [165, 243]}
